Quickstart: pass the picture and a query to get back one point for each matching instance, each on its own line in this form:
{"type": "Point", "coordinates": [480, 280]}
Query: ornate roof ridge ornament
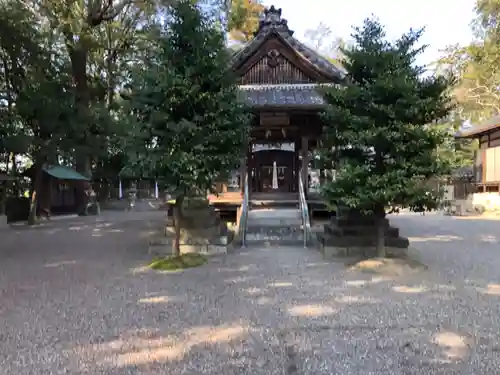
{"type": "Point", "coordinates": [271, 19]}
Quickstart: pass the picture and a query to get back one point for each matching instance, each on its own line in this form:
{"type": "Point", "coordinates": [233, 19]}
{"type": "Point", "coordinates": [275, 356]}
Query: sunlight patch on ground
{"type": "Point", "coordinates": [357, 282]}
{"type": "Point", "coordinates": [240, 279]}
{"type": "Point", "coordinates": [280, 284]}
{"type": "Point", "coordinates": [355, 299]}
{"type": "Point", "coordinates": [438, 238]}
{"type": "Point", "coordinates": [78, 228]}
{"type": "Point", "coordinates": [264, 301]}
{"type": "Point", "coordinates": [136, 350]}
{"type": "Point", "coordinates": [60, 264]}
{"type": "Point", "coordinates": [158, 299]}
{"type": "Point", "coordinates": [482, 217]}
{"type": "Point", "coordinates": [388, 267]}
{"type": "Point", "coordinates": [253, 290]}
{"type": "Point", "coordinates": [373, 280]}
{"type": "Point", "coordinates": [103, 225]}
{"type": "Point", "coordinates": [410, 289]}
{"type": "Point", "coordinates": [488, 238]}
{"type": "Point", "coordinates": [491, 289]}
{"type": "Point", "coordinates": [455, 346]}
{"type": "Point", "coordinates": [311, 310]}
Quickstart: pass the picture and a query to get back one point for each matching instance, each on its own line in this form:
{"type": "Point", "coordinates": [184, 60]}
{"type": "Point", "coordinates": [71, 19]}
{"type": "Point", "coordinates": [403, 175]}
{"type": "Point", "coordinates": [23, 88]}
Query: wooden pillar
{"type": "Point", "coordinates": [246, 170]}
{"type": "Point", "coordinates": [243, 171]}
{"type": "Point", "coordinates": [296, 165]}
{"type": "Point", "coordinates": [305, 162]}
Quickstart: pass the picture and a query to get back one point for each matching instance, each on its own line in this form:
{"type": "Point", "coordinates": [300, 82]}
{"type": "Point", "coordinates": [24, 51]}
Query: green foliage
{"type": "Point", "coordinates": [188, 125]}
{"type": "Point", "coordinates": [38, 98]}
{"type": "Point", "coordinates": [458, 152]}
{"type": "Point", "coordinates": [376, 132]}
{"type": "Point", "coordinates": [179, 262]}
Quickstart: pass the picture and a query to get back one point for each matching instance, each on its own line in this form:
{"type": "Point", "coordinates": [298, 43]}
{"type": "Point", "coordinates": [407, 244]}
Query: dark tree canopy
{"type": "Point", "coordinates": [188, 120]}
{"type": "Point", "coordinates": [377, 125]}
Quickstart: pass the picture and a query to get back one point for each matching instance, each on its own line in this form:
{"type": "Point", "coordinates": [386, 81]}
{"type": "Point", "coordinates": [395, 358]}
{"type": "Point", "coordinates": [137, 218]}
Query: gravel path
{"type": "Point", "coordinates": [74, 300]}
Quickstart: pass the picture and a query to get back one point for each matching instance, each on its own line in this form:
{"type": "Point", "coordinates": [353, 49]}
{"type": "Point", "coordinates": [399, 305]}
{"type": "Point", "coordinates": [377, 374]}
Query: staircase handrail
{"type": "Point", "coordinates": [304, 210]}
{"type": "Point", "coordinates": [243, 219]}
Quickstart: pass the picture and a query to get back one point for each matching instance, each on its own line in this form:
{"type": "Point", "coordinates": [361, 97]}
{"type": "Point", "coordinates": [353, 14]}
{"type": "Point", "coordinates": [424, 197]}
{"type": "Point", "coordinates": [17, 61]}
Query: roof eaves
{"type": "Point", "coordinates": [313, 57]}
{"type": "Point", "coordinates": [476, 132]}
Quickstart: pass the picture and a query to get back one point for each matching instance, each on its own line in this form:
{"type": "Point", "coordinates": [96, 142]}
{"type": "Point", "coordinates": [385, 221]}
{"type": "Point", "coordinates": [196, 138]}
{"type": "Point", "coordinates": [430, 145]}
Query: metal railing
{"type": "Point", "coordinates": [304, 210]}
{"type": "Point", "coordinates": [243, 219]}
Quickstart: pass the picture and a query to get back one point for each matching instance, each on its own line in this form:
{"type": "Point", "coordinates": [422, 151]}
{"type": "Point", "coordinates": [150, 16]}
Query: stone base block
{"type": "Point", "coordinates": [360, 241]}
{"type": "Point", "coordinates": [163, 246]}
{"type": "Point", "coordinates": [168, 241]}
{"type": "Point", "coordinates": [3, 222]}
{"type": "Point", "coordinates": [331, 252]}
{"type": "Point", "coordinates": [204, 249]}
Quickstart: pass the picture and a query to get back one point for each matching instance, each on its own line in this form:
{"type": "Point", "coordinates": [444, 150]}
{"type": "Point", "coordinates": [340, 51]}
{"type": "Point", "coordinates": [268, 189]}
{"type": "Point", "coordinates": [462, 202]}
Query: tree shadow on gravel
{"type": "Point", "coordinates": [258, 311]}
{"type": "Point", "coordinates": [242, 314]}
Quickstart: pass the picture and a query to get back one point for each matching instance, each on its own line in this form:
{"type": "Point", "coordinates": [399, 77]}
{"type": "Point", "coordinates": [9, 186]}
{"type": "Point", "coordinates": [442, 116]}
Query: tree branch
{"type": "Point", "coordinates": [99, 12]}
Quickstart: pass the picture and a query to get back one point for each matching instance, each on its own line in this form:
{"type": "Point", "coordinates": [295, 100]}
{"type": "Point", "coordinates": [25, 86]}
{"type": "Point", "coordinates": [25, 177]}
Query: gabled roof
{"type": "Point", "coordinates": [285, 95]}
{"type": "Point", "coordinates": [481, 129]}
{"type": "Point", "coordinates": [60, 172]}
{"type": "Point", "coordinates": [273, 24]}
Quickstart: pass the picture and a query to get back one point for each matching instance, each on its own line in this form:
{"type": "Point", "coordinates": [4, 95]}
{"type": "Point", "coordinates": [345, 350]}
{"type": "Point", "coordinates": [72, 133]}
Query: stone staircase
{"type": "Point", "coordinates": [274, 226]}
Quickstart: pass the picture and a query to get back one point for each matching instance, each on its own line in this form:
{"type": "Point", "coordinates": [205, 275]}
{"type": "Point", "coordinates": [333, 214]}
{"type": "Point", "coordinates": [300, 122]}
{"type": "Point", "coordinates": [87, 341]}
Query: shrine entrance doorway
{"type": "Point", "coordinates": [274, 170]}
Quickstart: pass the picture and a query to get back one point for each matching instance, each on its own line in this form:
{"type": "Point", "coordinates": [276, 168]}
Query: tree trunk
{"type": "Point", "coordinates": [3, 189]}
{"type": "Point", "coordinates": [380, 233]}
{"type": "Point", "coordinates": [178, 223]}
{"type": "Point", "coordinates": [15, 185]}
{"type": "Point", "coordinates": [79, 56]}
{"type": "Point", "coordinates": [37, 187]}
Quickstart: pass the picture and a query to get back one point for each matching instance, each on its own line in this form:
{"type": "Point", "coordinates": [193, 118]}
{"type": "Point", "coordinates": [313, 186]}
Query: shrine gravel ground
{"type": "Point", "coordinates": [74, 300]}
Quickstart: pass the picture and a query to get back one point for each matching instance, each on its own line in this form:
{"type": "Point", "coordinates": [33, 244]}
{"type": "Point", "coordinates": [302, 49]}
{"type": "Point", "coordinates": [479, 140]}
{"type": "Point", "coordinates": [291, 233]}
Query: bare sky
{"type": "Point", "coordinates": [446, 21]}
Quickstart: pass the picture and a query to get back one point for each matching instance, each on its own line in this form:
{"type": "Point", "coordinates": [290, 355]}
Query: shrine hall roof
{"type": "Point", "coordinates": [272, 23]}
{"type": "Point", "coordinates": [286, 95]}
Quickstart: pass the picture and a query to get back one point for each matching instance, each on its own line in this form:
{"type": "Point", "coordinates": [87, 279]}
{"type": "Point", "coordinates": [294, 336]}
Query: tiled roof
{"type": "Point", "coordinates": [272, 23]}
{"type": "Point", "coordinates": [478, 130]}
{"type": "Point", "coordinates": [296, 95]}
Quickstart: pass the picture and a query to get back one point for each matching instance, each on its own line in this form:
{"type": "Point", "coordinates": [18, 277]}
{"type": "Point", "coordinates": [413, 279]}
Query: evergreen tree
{"type": "Point", "coordinates": [376, 127]}
{"type": "Point", "coordinates": [190, 128]}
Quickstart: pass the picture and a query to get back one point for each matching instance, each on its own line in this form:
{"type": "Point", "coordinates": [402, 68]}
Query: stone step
{"type": "Point", "coordinates": [274, 213]}
{"type": "Point", "coordinates": [274, 233]}
{"type": "Point", "coordinates": [359, 241]}
{"type": "Point", "coordinates": [264, 204]}
{"type": "Point", "coordinates": [274, 226]}
{"type": "Point", "coordinates": [275, 243]}
{"type": "Point", "coordinates": [274, 222]}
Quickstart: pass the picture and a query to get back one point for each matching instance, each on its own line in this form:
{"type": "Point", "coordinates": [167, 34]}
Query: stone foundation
{"type": "Point", "coordinates": [332, 252]}
{"type": "Point", "coordinates": [202, 232]}
{"type": "Point", "coordinates": [354, 235]}
{"type": "Point", "coordinates": [164, 245]}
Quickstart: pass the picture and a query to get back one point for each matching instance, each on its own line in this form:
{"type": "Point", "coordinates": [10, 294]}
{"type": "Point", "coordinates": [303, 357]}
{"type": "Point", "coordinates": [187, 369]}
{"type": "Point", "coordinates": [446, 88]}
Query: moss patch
{"type": "Point", "coordinates": [173, 263]}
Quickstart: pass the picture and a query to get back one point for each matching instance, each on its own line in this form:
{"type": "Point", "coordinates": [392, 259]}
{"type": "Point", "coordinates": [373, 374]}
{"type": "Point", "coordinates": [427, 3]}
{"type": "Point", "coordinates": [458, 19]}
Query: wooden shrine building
{"type": "Point", "coordinates": [487, 164]}
{"type": "Point", "coordinates": [279, 79]}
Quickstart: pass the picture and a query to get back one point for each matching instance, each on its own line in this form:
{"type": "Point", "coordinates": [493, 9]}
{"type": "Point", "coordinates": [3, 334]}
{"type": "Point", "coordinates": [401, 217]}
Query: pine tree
{"type": "Point", "coordinates": [376, 127]}
{"type": "Point", "coordinates": [190, 128]}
